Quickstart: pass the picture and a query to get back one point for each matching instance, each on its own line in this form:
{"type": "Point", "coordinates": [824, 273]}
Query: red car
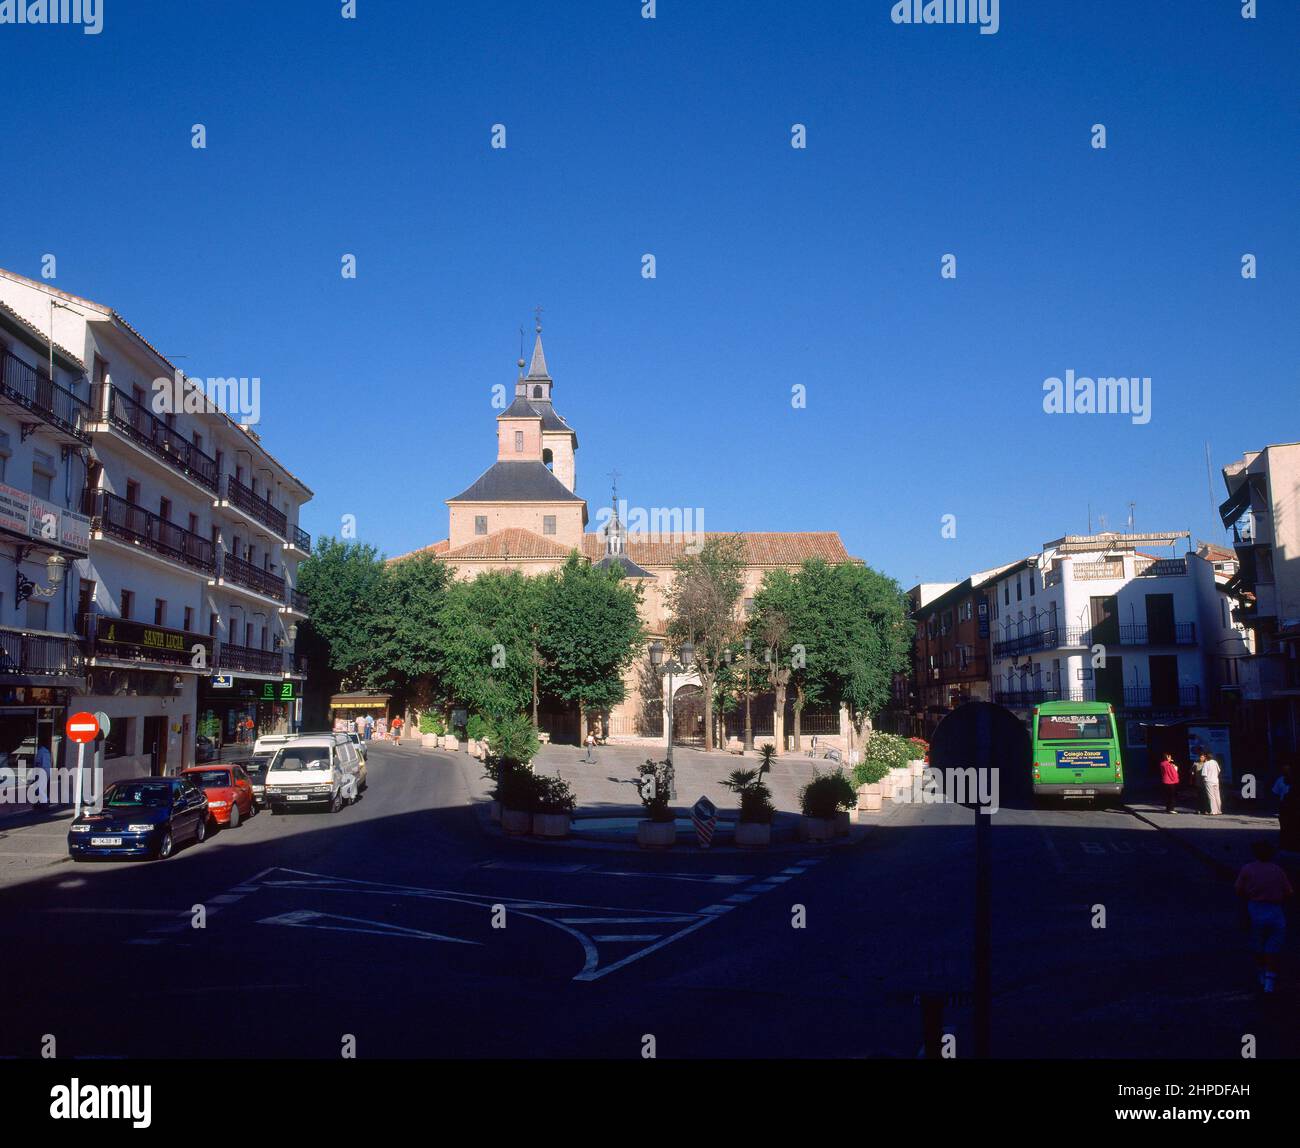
{"type": "Point", "coordinates": [229, 791]}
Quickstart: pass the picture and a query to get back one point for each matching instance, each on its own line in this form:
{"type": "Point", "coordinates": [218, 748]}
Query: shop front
{"type": "Point", "coordinates": [30, 717]}
{"type": "Point", "coordinates": [234, 711]}
{"type": "Point", "coordinates": [347, 708]}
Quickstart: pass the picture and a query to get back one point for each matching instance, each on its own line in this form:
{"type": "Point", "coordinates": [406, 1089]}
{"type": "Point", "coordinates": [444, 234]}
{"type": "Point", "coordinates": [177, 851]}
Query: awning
{"type": "Point", "coordinates": [1236, 504]}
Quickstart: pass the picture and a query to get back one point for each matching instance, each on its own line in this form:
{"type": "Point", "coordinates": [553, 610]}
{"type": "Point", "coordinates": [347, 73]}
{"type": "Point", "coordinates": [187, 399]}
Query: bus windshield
{"type": "Point", "coordinates": [1074, 727]}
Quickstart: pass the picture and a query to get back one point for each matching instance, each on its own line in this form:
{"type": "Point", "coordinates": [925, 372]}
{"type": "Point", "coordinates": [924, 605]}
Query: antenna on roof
{"type": "Point", "coordinates": [1131, 507]}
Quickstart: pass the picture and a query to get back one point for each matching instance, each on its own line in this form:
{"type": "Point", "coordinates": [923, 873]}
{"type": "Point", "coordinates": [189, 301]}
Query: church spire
{"type": "Point", "coordinates": [537, 369]}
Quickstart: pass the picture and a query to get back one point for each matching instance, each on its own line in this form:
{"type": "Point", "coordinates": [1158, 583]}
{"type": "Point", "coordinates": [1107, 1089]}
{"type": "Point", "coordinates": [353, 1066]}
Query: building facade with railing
{"type": "Point", "coordinates": [44, 441]}
{"type": "Point", "coordinates": [1098, 618]}
{"type": "Point", "coordinates": [186, 603]}
{"type": "Point", "coordinates": [1261, 512]}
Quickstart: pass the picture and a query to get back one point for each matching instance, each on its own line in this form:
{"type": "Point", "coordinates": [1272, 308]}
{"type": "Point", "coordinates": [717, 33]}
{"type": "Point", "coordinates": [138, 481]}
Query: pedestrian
{"type": "Point", "coordinates": [1210, 773]}
{"type": "Point", "coordinates": [1288, 810]}
{"type": "Point", "coordinates": [590, 759]}
{"type": "Point", "coordinates": [396, 726]}
{"type": "Point", "coordinates": [43, 763]}
{"type": "Point", "coordinates": [367, 727]}
{"type": "Point", "coordinates": [1264, 885]}
{"type": "Point", "coordinates": [1169, 781]}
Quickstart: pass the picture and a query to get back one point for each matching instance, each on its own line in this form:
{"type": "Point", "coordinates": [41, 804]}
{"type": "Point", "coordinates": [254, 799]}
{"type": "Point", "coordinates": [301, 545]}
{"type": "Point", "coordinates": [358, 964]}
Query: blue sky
{"type": "Point", "coordinates": [775, 266]}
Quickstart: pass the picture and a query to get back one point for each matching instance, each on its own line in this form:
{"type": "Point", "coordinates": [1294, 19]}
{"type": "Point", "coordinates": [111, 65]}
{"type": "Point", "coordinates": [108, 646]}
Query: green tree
{"type": "Point", "coordinates": [589, 632]}
{"type": "Point", "coordinates": [486, 641]}
{"type": "Point", "coordinates": [769, 627]}
{"type": "Point", "coordinates": [342, 583]}
{"type": "Point", "coordinates": [702, 603]}
{"type": "Point", "coordinates": [407, 634]}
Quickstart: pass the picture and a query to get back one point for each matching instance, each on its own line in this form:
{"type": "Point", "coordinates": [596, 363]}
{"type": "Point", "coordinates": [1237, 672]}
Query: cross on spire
{"type": "Point", "coordinates": [538, 312]}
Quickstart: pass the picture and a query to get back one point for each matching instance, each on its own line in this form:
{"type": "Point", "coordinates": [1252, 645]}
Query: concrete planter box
{"type": "Point", "coordinates": [517, 822]}
{"type": "Point", "coordinates": [817, 828]}
{"type": "Point", "coordinates": [842, 822]}
{"type": "Point", "coordinates": [429, 740]}
{"type": "Point", "coordinates": [656, 834]}
{"type": "Point", "coordinates": [494, 811]}
{"type": "Point", "coordinates": [753, 834]}
{"type": "Point", "coordinates": [871, 798]}
{"type": "Point", "coordinates": [899, 779]}
{"type": "Point", "coordinates": [550, 824]}
{"type": "Point", "coordinates": [448, 742]}
{"type": "Point", "coordinates": [916, 768]}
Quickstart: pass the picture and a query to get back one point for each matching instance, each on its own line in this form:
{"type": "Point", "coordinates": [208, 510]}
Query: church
{"type": "Point", "coordinates": [524, 513]}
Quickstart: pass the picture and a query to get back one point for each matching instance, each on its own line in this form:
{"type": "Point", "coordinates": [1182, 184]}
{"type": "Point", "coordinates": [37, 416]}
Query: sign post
{"type": "Point", "coordinates": [81, 728]}
{"type": "Point", "coordinates": [705, 816]}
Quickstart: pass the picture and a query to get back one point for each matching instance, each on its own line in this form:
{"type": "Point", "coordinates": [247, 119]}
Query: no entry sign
{"type": "Point", "coordinates": [82, 728]}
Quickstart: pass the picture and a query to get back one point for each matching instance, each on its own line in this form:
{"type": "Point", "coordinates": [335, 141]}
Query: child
{"type": "Point", "coordinates": [1264, 885]}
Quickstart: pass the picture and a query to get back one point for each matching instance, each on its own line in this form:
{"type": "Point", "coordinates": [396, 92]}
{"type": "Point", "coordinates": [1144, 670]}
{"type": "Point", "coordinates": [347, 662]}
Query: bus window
{"type": "Point", "coordinates": [1073, 727]}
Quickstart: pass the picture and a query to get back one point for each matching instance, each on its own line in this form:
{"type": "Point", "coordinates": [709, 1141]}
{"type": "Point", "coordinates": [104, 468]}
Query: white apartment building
{"type": "Point", "coordinates": [186, 602]}
{"type": "Point", "coordinates": [1098, 617]}
{"type": "Point", "coordinates": [44, 452]}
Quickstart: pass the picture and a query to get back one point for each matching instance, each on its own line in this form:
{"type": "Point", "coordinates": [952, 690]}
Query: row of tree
{"type": "Point", "coordinates": [498, 644]}
{"type": "Point", "coordinates": [833, 633]}
{"type": "Point", "coordinates": [504, 644]}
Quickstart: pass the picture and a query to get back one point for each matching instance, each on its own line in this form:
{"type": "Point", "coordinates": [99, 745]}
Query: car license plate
{"type": "Point", "coordinates": [106, 841]}
{"type": "Point", "coordinates": [297, 797]}
{"type": "Point", "coordinates": [1080, 793]}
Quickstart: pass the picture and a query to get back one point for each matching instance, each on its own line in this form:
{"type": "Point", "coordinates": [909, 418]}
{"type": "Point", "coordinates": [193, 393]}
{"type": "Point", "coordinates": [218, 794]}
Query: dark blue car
{"type": "Point", "coordinates": [147, 817]}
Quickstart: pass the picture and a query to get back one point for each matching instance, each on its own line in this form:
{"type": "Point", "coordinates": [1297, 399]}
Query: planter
{"type": "Point", "coordinates": [494, 811]}
{"type": "Point", "coordinates": [448, 742]}
{"type": "Point", "coordinates": [753, 833]}
{"type": "Point", "coordinates": [656, 834]}
{"type": "Point", "coordinates": [870, 799]}
{"type": "Point", "coordinates": [457, 745]}
{"type": "Point", "coordinates": [817, 828]}
{"type": "Point", "coordinates": [842, 822]}
{"type": "Point", "coordinates": [550, 824]}
{"type": "Point", "coordinates": [916, 768]}
{"type": "Point", "coordinates": [429, 740]}
{"type": "Point", "coordinates": [517, 822]}
{"type": "Point", "coordinates": [899, 780]}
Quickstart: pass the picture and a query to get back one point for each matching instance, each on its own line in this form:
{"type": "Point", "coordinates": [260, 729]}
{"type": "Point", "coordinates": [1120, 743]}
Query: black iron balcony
{"type": "Point", "coordinates": [1045, 639]}
{"type": "Point", "coordinates": [1020, 699]}
{"type": "Point", "coordinates": [141, 426]}
{"type": "Point", "coordinates": [34, 390]}
{"type": "Point", "coordinates": [27, 654]}
{"type": "Point", "coordinates": [123, 640]}
{"type": "Point", "coordinates": [252, 577]}
{"type": "Point", "coordinates": [1133, 634]}
{"type": "Point", "coordinates": [255, 506]}
{"type": "Point", "coordinates": [127, 522]}
{"type": "Point", "coordinates": [249, 659]}
{"type": "Point", "coordinates": [1131, 697]}
{"type": "Point", "coordinates": [296, 600]}
{"type": "Point", "coordinates": [300, 539]}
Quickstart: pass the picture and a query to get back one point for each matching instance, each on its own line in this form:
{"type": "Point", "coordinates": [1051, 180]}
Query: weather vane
{"type": "Point", "coordinates": [538, 312]}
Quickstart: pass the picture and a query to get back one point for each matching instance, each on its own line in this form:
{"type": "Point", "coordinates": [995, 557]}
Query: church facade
{"type": "Point", "coordinates": [524, 513]}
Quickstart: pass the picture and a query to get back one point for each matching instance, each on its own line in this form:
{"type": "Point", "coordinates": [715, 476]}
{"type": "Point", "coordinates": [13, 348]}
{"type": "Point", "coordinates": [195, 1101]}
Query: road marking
{"type": "Point", "coordinates": [738, 898]}
{"type": "Point", "coordinates": [309, 919]}
{"type": "Point", "coordinates": [597, 871]}
{"type": "Point", "coordinates": [629, 937]}
{"type": "Point", "coordinates": [625, 920]}
{"type": "Point", "coordinates": [121, 912]}
{"type": "Point", "coordinates": [717, 908]}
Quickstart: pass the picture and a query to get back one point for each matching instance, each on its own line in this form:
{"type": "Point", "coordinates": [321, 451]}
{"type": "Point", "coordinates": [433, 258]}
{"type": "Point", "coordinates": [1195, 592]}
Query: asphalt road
{"type": "Point", "coordinates": [378, 924]}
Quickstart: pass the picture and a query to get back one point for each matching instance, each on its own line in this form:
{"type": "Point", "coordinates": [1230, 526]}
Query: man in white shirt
{"type": "Point", "coordinates": [1210, 772]}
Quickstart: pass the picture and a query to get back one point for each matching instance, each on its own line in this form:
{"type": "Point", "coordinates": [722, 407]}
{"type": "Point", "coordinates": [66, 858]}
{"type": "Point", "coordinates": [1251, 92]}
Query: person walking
{"type": "Point", "coordinates": [590, 759]}
{"type": "Point", "coordinates": [1263, 885]}
{"type": "Point", "coordinates": [368, 722]}
{"type": "Point", "coordinates": [396, 727]}
{"type": "Point", "coordinates": [1169, 781]}
{"type": "Point", "coordinates": [1210, 774]}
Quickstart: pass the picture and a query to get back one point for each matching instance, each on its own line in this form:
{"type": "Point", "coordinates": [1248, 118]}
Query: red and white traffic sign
{"type": "Point", "coordinates": [82, 727]}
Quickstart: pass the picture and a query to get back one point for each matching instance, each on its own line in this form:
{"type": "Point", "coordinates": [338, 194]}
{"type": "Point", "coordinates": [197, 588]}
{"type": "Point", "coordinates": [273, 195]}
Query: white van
{"type": "Point", "coordinates": [318, 769]}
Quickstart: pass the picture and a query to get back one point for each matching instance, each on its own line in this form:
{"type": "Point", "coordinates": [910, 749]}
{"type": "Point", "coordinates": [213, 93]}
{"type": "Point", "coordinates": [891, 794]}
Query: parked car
{"type": "Point", "coordinates": [263, 750]}
{"type": "Point", "coordinates": [205, 749]}
{"type": "Point", "coordinates": [360, 744]}
{"type": "Point", "coordinates": [314, 769]}
{"type": "Point", "coordinates": [145, 817]}
{"type": "Point", "coordinates": [228, 789]}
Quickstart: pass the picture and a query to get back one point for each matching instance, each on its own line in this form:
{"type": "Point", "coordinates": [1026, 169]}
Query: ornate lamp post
{"type": "Point", "coordinates": [669, 668]}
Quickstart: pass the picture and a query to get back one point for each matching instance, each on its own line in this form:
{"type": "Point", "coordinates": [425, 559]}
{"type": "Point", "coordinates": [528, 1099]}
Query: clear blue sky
{"type": "Point", "coordinates": [775, 266]}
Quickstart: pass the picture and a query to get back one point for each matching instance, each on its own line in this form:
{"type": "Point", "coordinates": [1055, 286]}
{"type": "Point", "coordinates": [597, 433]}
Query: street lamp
{"type": "Point", "coordinates": [671, 667]}
{"type": "Point", "coordinates": [55, 567]}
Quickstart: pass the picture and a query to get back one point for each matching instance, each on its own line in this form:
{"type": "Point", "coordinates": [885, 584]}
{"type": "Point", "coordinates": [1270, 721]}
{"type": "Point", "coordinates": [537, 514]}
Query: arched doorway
{"type": "Point", "coordinates": [688, 716]}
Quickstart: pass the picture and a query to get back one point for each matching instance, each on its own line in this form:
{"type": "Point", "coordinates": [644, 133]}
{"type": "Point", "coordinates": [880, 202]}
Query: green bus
{"type": "Point", "coordinates": [1076, 751]}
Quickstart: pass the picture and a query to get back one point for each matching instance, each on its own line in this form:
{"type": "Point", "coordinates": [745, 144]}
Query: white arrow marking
{"type": "Point", "coordinates": [307, 919]}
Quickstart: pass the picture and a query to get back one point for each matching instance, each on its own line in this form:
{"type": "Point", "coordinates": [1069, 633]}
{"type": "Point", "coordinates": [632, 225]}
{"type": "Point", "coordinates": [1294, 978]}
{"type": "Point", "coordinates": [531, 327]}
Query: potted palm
{"type": "Point", "coordinates": [553, 803]}
{"type": "Point", "coordinates": [754, 826]}
{"type": "Point", "coordinates": [657, 829]}
{"type": "Point", "coordinates": [825, 802]}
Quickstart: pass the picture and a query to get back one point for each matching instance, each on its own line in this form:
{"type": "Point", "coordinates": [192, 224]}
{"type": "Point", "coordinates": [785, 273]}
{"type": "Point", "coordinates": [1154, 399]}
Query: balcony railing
{"type": "Point", "coordinates": [1045, 639]}
{"type": "Point", "coordinates": [1133, 634]}
{"type": "Point", "coordinates": [123, 640]}
{"type": "Point", "coordinates": [1133, 697]}
{"type": "Point", "coordinates": [237, 494]}
{"type": "Point", "coordinates": [252, 577]}
{"type": "Point", "coordinates": [295, 599]}
{"type": "Point", "coordinates": [250, 659]}
{"type": "Point", "coordinates": [27, 654]}
{"type": "Point", "coordinates": [300, 538]}
{"type": "Point", "coordinates": [139, 424]}
{"type": "Point", "coordinates": [124, 520]}
{"type": "Point", "coordinates": [24, 384]}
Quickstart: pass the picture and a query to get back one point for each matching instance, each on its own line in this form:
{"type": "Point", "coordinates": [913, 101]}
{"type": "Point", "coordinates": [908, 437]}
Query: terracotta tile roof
{"type": "Point", "coordinates": [761, 549]}
{"type": "Point", "coordinates": [513, 542]}
{"type": "Point", "coordinates": [437, 550]}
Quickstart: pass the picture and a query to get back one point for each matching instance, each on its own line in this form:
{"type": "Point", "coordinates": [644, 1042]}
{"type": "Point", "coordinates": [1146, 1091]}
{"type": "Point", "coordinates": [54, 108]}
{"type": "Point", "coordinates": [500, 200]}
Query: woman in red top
{"type": "Point", "coordinates": [1169, 780]}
